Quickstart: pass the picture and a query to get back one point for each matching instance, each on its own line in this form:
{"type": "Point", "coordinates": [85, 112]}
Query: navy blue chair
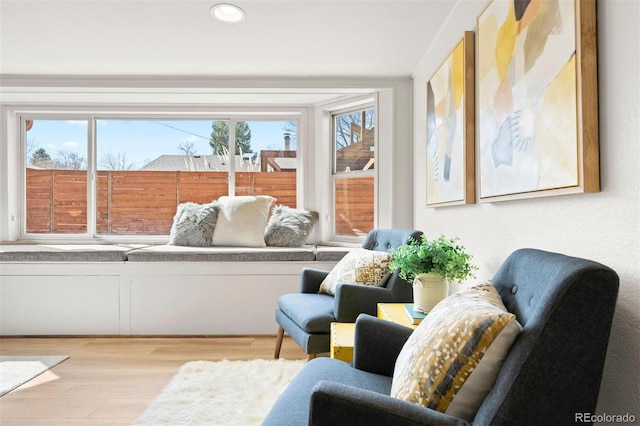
{"type": "Point", "coordinates": [307, 316]}
{"type": "Point", "coordinates": [552, 372]}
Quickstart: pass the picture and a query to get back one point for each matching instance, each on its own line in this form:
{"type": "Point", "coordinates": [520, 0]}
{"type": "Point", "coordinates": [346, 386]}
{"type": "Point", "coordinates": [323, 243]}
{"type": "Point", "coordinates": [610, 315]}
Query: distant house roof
{"type": "Point", "coordinates": [286, 163]}
{"type": "Point", "coordinates": [212, 163]}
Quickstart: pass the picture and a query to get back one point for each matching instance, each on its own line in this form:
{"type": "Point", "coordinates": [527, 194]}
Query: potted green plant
{"type": "Point", "coordinates": [431, 265]}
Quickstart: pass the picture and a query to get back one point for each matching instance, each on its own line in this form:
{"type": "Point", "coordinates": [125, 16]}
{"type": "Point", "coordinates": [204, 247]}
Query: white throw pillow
{"type": "Point", "coordinates": [242, 220]}
{"type": "Point", "coordinates": [359, 266]}
{"type": "Point", "coordinates": [451, 361]}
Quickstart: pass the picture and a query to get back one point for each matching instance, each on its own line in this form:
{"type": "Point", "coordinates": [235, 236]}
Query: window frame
{"type": "Point", "coordinates": [356, 104]}
{"type": "Point", "coordinates": [92, 115]}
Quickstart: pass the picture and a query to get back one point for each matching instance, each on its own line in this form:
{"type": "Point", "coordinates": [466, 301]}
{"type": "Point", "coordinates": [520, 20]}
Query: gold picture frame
{"type": "Point", "coordinates": [451, 128]}
{"type": "Point", "coordinates": [537, 100]}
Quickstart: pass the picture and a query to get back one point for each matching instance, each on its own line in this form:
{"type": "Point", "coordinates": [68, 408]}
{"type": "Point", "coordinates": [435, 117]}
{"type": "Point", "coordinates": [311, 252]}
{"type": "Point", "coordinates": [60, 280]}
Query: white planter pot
{"type": "Point", "coordinates": [428, 290]}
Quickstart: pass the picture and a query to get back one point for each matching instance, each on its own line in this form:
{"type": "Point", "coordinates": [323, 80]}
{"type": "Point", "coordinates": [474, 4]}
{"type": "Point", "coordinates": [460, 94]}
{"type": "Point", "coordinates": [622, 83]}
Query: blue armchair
{"type": "Point", "coordinates": [307, 316]}
{"type": "Point", "coordinates": [553, 370]}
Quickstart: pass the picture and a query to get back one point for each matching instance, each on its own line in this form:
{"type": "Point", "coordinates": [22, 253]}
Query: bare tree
{"type": "Point", "coordinates": [352, 127]}
{"type": "Point", "coordinates": [69, 160]}
{"type": "Point", "coordinates": [116, 161]}
{"type": "Point", "coordinates": [31, 146]}
{"type": "Point", "coordinates": [291, 127]}
{"type": "Point", "coordinates": [187, 148]}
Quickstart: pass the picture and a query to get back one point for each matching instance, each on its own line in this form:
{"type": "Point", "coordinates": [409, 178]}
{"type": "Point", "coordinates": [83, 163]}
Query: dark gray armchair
{"type": "Point", "coordinates": [553, 370]}
{"type": "Point", "coordinates": [307, 316]}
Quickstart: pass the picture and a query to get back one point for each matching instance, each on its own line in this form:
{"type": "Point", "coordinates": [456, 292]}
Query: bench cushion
{"type": "Point", "coordinates": [64, 252]}
{"type": "Point", "coordinates": [331, 253]}
{"type": "Point", "coordinates": [166, 253]}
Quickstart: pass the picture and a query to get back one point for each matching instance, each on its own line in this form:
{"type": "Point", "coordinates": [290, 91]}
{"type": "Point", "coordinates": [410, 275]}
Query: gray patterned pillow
{"type": "Point", "coordinates": [193, 224]}
{"type": "Point", "coordinates": [359, 266]}
{"type": "Point", "coordinates": [289, 227]}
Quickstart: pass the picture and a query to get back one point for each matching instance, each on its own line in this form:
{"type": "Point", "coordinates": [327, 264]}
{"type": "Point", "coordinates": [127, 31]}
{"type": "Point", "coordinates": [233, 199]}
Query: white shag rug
{"type": "Point", "coordinates": [18, 369]}
{"type": "Point", "coordinates": [238, 393]}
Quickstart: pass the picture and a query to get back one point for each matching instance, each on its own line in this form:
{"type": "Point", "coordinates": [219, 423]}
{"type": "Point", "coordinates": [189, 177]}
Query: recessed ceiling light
{"type": "Point", "coordinates": [226, 12]}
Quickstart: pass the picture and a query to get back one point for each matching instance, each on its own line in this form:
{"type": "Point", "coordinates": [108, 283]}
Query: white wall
{"type": "Point", "coordinates": [604, 226]}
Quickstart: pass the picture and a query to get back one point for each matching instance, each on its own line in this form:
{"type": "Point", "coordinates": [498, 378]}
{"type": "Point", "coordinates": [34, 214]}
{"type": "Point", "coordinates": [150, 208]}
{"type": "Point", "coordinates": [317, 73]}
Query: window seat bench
{"type": "Point", "coordinates": [164, 253]}
{"type": "Point", "coordinates": [91, 289]}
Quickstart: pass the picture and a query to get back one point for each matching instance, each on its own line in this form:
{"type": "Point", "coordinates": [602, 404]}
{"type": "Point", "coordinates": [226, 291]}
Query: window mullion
{"type": "Point", "coordinates": [232, 157]}
{"type": "Point", "coordinates": [92, 178]}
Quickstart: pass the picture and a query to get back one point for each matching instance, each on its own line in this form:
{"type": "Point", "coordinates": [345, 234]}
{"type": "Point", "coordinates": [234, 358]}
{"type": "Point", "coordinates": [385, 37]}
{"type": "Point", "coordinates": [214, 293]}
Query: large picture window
{"type": "Point", "coordinates": [354, 143]}
{"type": "Point", "coordinates": [102, 176]}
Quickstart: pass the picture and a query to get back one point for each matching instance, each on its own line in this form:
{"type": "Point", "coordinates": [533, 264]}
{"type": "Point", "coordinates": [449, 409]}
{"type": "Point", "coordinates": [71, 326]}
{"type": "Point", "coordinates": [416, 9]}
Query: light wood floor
{"type": "Point", "coordinates": [111, 380]}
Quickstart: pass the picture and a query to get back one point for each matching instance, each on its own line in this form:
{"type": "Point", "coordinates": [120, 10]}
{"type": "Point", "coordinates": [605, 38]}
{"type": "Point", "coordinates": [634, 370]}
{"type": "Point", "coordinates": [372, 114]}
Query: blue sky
{"type": "Point", "coordinates": [142, 140]}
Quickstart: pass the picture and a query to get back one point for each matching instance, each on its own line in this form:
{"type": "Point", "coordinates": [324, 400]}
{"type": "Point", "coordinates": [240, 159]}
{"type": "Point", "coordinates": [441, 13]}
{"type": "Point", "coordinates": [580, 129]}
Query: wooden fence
{"type": "Point", "coordinates": [354, 206]}
{"type": "Point", "coordinates": [144, 202]}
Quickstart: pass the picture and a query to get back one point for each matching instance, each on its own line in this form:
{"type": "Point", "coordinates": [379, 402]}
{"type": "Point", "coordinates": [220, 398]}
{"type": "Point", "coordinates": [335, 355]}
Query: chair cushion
{"type": "Point", "coordinates": [293, 406]}
{"type": "Point", "coordinates": [312, 312]}
{"type": "Point", "coordinates": [451, 361]}
{"type": "Point", "coordinates": [359, 266]}
{"type": "Point", "coordinates": [242, 221]}
{"type": "Point", "coordinates": [289, 227]}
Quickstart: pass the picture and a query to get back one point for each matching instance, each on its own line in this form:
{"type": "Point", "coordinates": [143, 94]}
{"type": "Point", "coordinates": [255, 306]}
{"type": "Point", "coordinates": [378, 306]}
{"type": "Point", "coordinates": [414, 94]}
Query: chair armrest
{"type": "Point", "coordinates": [353, 300]}
{"type": "Point", "coordinates": [336, 403]}
{"type": "Point", "coordinates": [310, 279]}
{"type": "Point", "coordinates": [377, 344]}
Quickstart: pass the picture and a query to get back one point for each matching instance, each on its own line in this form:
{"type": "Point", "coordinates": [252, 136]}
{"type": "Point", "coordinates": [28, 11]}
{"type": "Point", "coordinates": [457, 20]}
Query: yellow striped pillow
{"type": "Point", "coordinates": [452, 359]}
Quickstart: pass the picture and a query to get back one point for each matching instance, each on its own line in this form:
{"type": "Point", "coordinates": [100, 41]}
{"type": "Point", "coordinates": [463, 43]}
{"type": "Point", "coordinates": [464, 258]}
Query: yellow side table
{"type": "Point", "coordinates": [342, 338]}
{"type": "Point", "coordinates": [394, 312]}
{"type": "Point", "coordinates": [343, 333]}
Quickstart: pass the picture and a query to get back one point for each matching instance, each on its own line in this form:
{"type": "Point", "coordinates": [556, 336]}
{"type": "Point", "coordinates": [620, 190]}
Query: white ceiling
{"type": "Point", "coordinates": [296, 38]}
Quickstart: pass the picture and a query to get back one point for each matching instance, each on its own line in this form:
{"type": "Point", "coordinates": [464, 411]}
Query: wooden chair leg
{"type": "Point", "coordinates": [279, 342]}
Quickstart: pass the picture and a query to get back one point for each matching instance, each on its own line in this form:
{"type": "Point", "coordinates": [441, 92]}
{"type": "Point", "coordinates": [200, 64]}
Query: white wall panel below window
{"type": "Point", "coordinates": [59, 305]}
{"type": "Point", "coordinates": [145, 298]}
{"type": "Point", "coordinates": [207, 305]}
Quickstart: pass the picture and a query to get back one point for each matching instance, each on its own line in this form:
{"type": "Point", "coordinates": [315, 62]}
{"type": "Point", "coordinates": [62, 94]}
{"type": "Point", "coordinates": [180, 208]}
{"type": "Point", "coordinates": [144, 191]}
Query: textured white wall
{"type": "Point", "coordinates": [604, 226]}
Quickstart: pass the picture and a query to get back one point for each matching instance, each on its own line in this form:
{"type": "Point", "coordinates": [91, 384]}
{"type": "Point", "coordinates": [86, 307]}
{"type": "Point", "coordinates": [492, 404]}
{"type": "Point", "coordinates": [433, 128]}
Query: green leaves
{"type": "Point", "coordinates": [220, 137]}
{"type": "Point", "coordinates": [441, 256]}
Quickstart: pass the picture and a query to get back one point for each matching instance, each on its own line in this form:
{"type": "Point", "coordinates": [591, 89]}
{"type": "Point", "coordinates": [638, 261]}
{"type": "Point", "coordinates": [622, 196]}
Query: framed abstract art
{"type": "Point", "coordinates": [451, 128]}
{"type": "Point", "coordinates": [537, 100]}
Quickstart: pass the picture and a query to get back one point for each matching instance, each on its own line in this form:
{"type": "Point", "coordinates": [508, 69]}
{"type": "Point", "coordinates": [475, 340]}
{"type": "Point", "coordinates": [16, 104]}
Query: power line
{"type": "Point", "coordinates": [180, 130]}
